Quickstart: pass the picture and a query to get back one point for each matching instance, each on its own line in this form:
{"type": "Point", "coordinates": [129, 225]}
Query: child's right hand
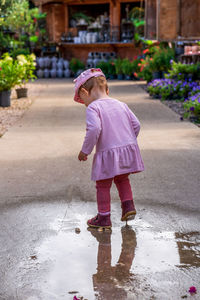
{"type": "Point", "coordinates": [82, 156]}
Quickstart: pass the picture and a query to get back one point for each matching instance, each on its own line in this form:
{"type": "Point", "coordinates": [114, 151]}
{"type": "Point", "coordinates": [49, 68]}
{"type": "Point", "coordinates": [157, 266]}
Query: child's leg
{"type": "Point", "coordinates": [103, 196]}
{"type": "Point", "coordinates": [126, 197]}
{"type": "Point", "coordinates": [124, 187]}
{"type": "Point", "coordinates": [103, 203]}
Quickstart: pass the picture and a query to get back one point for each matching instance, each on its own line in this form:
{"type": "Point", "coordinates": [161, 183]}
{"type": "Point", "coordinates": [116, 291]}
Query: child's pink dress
{"type": "Point", "coordinates": [113, 128]}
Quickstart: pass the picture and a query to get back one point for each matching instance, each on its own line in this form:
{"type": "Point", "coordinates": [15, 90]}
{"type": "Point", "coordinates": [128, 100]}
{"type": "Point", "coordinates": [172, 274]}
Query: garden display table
{"type": "Point", "coordinates": [190, 58]}
{"type": "Point", "coordinates": [70, 50]}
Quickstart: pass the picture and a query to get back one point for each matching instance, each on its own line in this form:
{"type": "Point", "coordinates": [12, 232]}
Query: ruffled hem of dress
{"type": "Point", "coordinates": [116, 161]}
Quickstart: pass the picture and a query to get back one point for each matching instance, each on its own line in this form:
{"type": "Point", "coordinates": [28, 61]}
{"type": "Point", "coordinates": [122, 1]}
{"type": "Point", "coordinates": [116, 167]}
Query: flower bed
{"type": "Point", "coordinates": [170, 89]}
{"type": "Point", "coordinates": [185, 93]}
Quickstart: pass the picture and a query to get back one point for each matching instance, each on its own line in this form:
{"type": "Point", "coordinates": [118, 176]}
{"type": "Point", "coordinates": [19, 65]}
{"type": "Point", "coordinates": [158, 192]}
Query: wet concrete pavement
{"type": "Point", "coordinates": [45, 194]}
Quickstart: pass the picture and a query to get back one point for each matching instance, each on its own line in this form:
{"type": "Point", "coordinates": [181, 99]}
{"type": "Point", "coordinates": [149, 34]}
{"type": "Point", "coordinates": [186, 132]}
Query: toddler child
{"type": "Point", "coordinates": [113, 128]}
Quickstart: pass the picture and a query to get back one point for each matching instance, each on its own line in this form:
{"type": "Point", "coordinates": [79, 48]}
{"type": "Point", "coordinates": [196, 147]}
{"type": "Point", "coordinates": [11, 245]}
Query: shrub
{"type": "Point", "coordinates": [127, 67]}
{"type": "Point", "coordinates": [26, 67]}
{"type": "Point", "coordinates": [181, 71]}
{"type": "Point", "coordinates": [118, 66]}
{"type": "Point", "coordinates": [111, 68]}
{"type": "Point", "coordinates": [9, 73]}
{"type": "Point", "coordinates": [105, 67]}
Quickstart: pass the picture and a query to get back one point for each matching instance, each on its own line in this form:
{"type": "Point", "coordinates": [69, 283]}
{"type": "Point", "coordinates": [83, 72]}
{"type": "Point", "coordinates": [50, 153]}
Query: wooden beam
{"type": "Point", "coordinates": [66, 14]}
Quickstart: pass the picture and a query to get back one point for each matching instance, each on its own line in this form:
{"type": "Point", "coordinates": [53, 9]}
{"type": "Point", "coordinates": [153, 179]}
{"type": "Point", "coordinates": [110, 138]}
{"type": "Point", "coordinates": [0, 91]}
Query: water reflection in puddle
{"type": "Point", "coordinates": [131, 262]}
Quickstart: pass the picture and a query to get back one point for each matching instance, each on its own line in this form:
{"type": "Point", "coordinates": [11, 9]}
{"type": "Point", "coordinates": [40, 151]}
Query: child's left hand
{"type": "Point", "coordinates": [82, 156]}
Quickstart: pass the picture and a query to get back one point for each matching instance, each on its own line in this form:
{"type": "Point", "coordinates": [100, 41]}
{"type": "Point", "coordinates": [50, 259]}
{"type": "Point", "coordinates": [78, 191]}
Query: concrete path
{"type": "Point", "coordinates": [45, 193]}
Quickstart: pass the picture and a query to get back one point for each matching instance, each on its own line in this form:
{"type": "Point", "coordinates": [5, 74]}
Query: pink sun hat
{"type": "Point", "coordinates": [82, 78]}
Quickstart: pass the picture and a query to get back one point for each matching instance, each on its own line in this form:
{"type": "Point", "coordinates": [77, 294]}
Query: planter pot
{"type": "Point", "coordinates": [66, 64]}
{"type": "Point", "coordinates": [22, 93]}
{"type": "Point", "coordinates": [120, 77]}
{"type": "Point", "coordinates": [53, 73]}
{"type": "Point", "coordinates": [111, 76]}
{"type": "Point", "coordinates": [179, 50]}
{"type": "Point", "coordinates": [41, 62]}
{"type": "Point", "coordinates": [60, 65]}
{"type": "Point", "coordinates": [46, 73]}
{"type": "Point", "coordinates": [40, 73]}
{"type": "Point", "coordinates": [47, 62]}
{"type": "Point", "coordinates": [157, 75]}
{"type": "Point", "coordinates": [5, 98]}
{"type": "Point", "coordinates": [59, 73]}
{"type": "Point", "coordinates": [67, 73]}
{"type": "Point", "coordinates": [127, 77]}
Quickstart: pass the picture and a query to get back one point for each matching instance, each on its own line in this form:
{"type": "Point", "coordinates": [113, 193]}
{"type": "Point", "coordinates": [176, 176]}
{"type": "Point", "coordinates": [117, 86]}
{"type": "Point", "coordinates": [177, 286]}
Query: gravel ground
{"type": "Point", "coordinates": [10, 115]}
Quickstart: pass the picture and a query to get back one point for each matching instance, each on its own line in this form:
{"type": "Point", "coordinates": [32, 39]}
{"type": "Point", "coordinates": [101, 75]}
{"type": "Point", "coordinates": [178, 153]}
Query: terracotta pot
{"type": "Point", "coordinates": [195, 49]}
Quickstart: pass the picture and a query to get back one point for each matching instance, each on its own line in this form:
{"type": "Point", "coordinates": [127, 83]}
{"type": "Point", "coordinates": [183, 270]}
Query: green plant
{"type": "Point", "coordinates": [192, 107]}
{"type": "Point", "coordinates": [9, 73]}
{"type": "Point", "coordinates": [28, 24]}
{"type": "Point", "coordinates": [17, 51]}
{"type": "Point", "coordinates": [79, 15]}
{"type": "Point", "coordinates": [26, 67]}
{"type": "Point", "coordinates": [104, 66]}
{"type": "Point", "coordinates": [75, 65]}
{"type": "Point", "coordinates": [181, 71]}
{"type": "Point", "coordinates": [127, 67]}
{"type": "Point", "coordinates": [118, 66]}
{"type": "Point", "coordinates": [111, 68]}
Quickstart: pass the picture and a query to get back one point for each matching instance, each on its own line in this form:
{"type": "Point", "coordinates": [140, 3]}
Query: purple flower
{"type": "Point", "coordinates": [192, 290]}
{"type": "Point", "coordinates": [192, 108]}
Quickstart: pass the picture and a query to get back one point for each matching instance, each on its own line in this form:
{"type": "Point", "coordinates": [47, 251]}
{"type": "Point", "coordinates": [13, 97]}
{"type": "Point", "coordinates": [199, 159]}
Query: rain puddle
{"type": "Point", "coordinates": [129, 262]}
{"type": "Point", "coordinates": [137, 261]}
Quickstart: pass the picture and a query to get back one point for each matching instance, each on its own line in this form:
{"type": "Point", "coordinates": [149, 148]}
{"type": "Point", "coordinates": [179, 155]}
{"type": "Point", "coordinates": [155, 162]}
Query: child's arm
{"type": "Point", "coordinates": [93, 129]}
{"type": "Point", "coordinates": [134, 120]}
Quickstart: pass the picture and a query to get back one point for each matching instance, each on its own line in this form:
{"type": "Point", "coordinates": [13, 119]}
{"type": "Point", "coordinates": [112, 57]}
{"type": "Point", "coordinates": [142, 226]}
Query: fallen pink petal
{"type": "Point", "coordinates": [192, 290]}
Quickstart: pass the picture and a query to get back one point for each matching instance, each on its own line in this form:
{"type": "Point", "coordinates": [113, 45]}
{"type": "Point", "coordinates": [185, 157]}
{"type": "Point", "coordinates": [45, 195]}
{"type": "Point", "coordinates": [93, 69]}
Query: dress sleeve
{"type": "Point", "coordinates": [134, 120]}
{"type": "Point", "coordinates": [93, 130]}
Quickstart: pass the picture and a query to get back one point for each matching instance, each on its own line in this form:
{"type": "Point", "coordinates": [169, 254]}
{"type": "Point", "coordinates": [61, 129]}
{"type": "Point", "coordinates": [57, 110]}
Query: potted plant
{"type": "Point", "coordinates": [8, 78]}
{"type": "Point", "coordinates": [111, 69]}
{"type": "Point", "coordinates": [104, 66]}
{"type": "Point", "coordinates": [127, 68]}
{"type": "Point", "coordinates": [26, 67]}
{"type": "Point", "coordinates": [118, 68]}
{"type": "Point", "coordinates": [75, 65]}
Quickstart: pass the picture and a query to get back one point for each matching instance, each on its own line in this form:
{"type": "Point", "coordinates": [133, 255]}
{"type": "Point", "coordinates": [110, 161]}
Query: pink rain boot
{"type": "Point", "coordinates": [100, 221]}
{"type": "Point", "coordinates": [128, 210]}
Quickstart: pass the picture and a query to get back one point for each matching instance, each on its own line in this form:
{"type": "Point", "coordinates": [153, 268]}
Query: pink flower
{"type": "Point", "coordinates": [192, 290]}
{"type": "Point", "coordinates": [75, 298]}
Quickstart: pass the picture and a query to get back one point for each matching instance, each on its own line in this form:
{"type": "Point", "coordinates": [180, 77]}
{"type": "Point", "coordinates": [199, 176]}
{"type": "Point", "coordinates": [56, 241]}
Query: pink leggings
{"type": "Point", "coordinates": [103, 191]}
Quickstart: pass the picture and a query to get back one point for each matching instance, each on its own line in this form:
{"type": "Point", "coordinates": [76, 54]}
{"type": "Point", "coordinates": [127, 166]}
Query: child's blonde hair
{"type": "Point", "coordinates": [99, 81]}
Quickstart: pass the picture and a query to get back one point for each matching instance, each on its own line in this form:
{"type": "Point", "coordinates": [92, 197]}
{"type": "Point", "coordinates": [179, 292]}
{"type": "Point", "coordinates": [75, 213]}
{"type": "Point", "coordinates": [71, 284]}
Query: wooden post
{"type": "Point", "coordinates": [53, 23]}
{"type": "Point", "coordinates": [66, 14]}
{"type": "Point", "coordinates": [115, 15]}
{"type": "Point", "coordinates": [178, 18]}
